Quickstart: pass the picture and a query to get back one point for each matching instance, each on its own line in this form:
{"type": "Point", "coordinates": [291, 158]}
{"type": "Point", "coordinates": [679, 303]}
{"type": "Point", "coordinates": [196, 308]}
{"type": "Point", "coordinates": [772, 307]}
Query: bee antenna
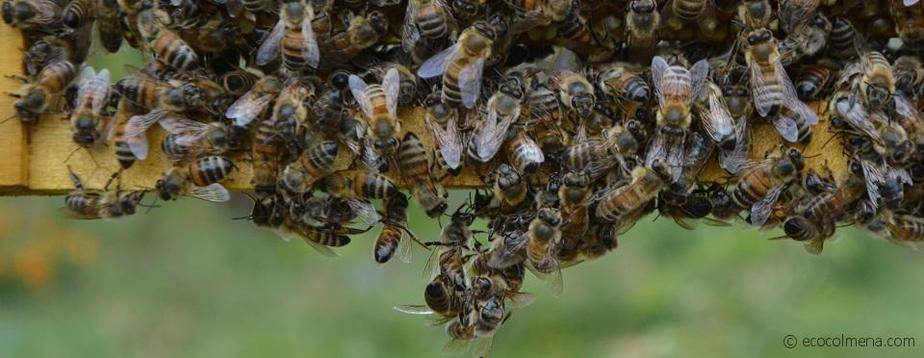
{"type": "Point", "coordinates": [152, 206]}
{"type": "Point", "coordinates": [14, 115]}
{"type": "Point", "coordinates": [71, 154]}
{"type": "Point", "coordinates": [243, 217]}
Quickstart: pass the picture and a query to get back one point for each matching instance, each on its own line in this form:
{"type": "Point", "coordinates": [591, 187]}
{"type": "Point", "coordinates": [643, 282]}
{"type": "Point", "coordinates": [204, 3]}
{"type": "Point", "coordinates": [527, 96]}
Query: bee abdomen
{"type": "Point", "coordinates": [412, 157]}
{"type": "Point", "coordinates": [124, 154]}
{"type": "Point", "coordinates": [210, 169]}
{"type": "Point", "coordinates": [321, 158]}
{"type": "Point", "coordinates": [386, 244]}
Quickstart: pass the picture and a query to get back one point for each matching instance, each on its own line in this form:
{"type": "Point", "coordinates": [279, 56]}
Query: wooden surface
{"type": "Point", "coordinates": [33, 157]}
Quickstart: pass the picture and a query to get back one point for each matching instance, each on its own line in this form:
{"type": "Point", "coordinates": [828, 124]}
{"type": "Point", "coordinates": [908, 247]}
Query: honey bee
{"type": "Point", "coordinates": [462, 65]}
{"type": "Point", "coordinates": [293, 37]}
{"type": "Point", "coordinates": [109, 24]}
{"type": "Point", "coordinates": [876, 83]}
{"type": "Point", "coordinates": [238, 81]}
{"type": "Point", "coordinates": [772, 92]}
{"type": "Point", "coordinates": [676, 88]}
{"type": "Point", "coordinates": [755, 14]}
{"type": "Point", "coordinates": [510, 189]}
{"type": "Point", "coordinates": [643, 21]}
{"type": "Point", "coordinates": [574, 195]}
{"type": "Point", "coordinates": [817, 218]}
{"type": "Point", "coordinates": [86, 204]}
{"type": "Point", "coordinates": [189, 139]}
{"type": "Point", "coordinates": [127, 149]}
{"type": "Point", "coordinates": [358, 183]}
{"type": "Point", "coordinates": [843, 40]}
{"type": "Point", "coordinates": [760, 185]}
{"type": "Point", "coordinates": [380, 105]}
{"type": "Point", "coordinates": [37, 97]}
{"type": "Point", "coordinates": [716, 120]}
{"type": "Point", "coordinates": [620, 81]}
{"type": "Point", "coordinates": [443, 121]}
{"type": "Point", "coordinates": [909, 75]}
{"type": "Point", "coordinates": [524, 154]}
{"type": "Point", "coordinates": [622, 202]}
{"type": "Point", "coordinates": [78, 13]}
{"type": "Point", "coordinates": [544, 232]}
{"type": "Point", "coordinates": [576, 92]}
{"type": "Point", "coordinates": [87, 120]}
{"type": "Point", "coordinates": [501, 111]}
{"type": "Point", "coordinates": [200, 179]}
{"type": "Point", "coordinates": [813, 81]}
{"type": "Point", "coordinates": [165, 43]}
{"type": "Point", "coordinates": [427, 19]}
{"type": "Point", "coordinates": [29, 15]}
{"type": "Point", "coordinates": [906, 230]}
{"type": "Point", "coordinates": [249, 106]}
{"type": "Point", "coordinates": [361, 33]}
{"type": "Point", "coordinates": [413, 163]}
{"type": "Point", "coordinates": [394, 237]}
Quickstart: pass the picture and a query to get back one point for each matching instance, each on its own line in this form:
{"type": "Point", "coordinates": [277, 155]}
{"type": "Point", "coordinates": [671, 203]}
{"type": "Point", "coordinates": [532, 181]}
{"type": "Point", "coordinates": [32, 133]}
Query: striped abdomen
{"type": "Point", "coordinates": [83, 204]}
{"type": "Point", "coordinates": [374, 186]}
{"type": "Point", "coordinates": [628, 199]}
{"type": "Point", "coordinates": [319, 158]}
{"type": "Point", "coordinates": [688, 9]}
{"type": "Point", "coordinates": [293, 50]}
{"type": "Point", "coordinates": [452, 95]}
{"type": "Point", "coordinates": [752, 186]}
{"type": "Point", "coordinates": [210, 169]}
{"type": "Point", "coordinates": [412, 158]}
{"type": "Point", "coordinates": [173, 50]}
{"type": "Point", "coordinates": [431, 21]}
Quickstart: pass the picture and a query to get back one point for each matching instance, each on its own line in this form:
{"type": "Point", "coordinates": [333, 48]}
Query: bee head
{"type": "Point", "coordinates": [30, 106]}
{"type": "Point", "coordinates": [378, 21]}
{"type": "Point", "coordinates": [485, 29]}
{"type": "Point", "coordinates": [877, 93]}
{"type": "Point", "coordinates": [583, 104]}
{"type": "Point", "coordinates": [796, 159]}
{"type": "Point", "coordinates": [642, 6]}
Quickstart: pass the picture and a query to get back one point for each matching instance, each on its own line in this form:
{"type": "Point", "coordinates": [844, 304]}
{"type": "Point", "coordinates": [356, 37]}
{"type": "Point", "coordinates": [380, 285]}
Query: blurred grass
{"type": "Point", "coordinates": [184, 280]}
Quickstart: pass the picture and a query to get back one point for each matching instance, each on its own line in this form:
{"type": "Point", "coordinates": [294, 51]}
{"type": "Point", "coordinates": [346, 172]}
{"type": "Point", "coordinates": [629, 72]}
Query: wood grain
{"type": "Point", "coordinates": [14, 160]}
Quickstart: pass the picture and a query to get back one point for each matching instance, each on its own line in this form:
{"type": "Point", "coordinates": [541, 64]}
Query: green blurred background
{"type": "Point", "coordinates": [185, 280]}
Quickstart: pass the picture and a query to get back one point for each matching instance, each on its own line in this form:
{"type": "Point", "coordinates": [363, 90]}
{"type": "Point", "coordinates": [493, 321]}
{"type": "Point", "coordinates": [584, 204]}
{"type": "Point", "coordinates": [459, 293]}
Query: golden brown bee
{"type": "Point", "coordinates": [317, 161]}
{"type": "Point", "coordinates": [443, 121]}
{"type": "Point", "coordinates": [909, 75]}
{"type": "Point", "coordinates": [413, 163]}
{"type": "Point", "coordinates": [574, 195]}
{"type": "Point", "coordinates": [524, 154]}
{"type": "Point", "coordinates": [30, 15]}
{"type": "Point", "coordinates": [395, 235]}
{"type": "Point", "coordinates": [622, 82]}
{"type": "Point", "coordinates": [427, 19]}
{"type": "Point", "coordinates": [621, 202]}
{"type": "Point", "coordinates": [760, 185]}
{"type": "Point", "coordinates": [643, 21]}
{"type": "Point", "coordinates": [510, 189]}
{"type": "Point", "coordinates": [87, 120]}
{"type": "Point", "coordinates": [188, 138]}
{"type": "Point", "coordinates": [904, 229]}
{"type": "Point", "coordinates": [813, 81]}
{"type": "Point", "coordinates": [489, 134]}
{"type": "Point", "coordinates": [86, 204]}
{"type": "Point", "coordinates": [361, 33]}
{"type": "Point", "coordinates": [817, 218]}
{"type": "Point", "coordinates": [576, 92]}
{"type": "Point", "coordinates": [279, 136]}
{"type": "Point", "coordinates": [249, 106]}
{"type": "Point", "coordinates": [165, 43]}
{"type": "Point", "coordinates": [127, 149]}
{"type": "Point", "coordinates": [544, 233]}
{"type": "Point", "coordinates": [358, 184]}
{"type": "Point", "coordinates": [322, 239]}
{"type": "Point", "coordinates": [876, 83]}
{"type": "Point", "coordinates": [380, 105]}
{"type": "Point", "coordinates": [461, 65]}
{"type": "Point", "coordinates": [109, 24]}
{"type": "Point", "coordinates": [772, 92]}
{"type": "Point", "coordinates": [199, 179]}
{"type": "Point", "coordinates": [292, 37]}
{"type": "Point", "coordinates": [754, 14]}
{"type": "Point", "coordinates": [36, 98]}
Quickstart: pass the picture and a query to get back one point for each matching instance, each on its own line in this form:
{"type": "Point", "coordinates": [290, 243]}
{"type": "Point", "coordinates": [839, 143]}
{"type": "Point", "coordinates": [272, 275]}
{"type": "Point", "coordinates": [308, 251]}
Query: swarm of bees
{"type": "Point", "coordinates": [580, 117]}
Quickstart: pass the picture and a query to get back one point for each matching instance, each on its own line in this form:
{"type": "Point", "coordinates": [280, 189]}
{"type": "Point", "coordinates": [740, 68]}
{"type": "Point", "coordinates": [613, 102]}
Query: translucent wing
{"type": "Point", "coordinates": [248, 107]}
{"type": "Point", "coordinates": [657, 150]}
{"type": "Point", "coordinates": [456, 347]}
{"type": "Point", "coordinates": [791, 99]}
{"type": "Point", "coordinates": [448, 141]}
{"type": "Point", "coordinates": [177, 125]}
{"type": "Point", "coordinates": [391, 83]}
{"type": "Point", "coordinates": [470, 82]}
{"type": "Point", "coordinates": [763, 100]}
{"type": "Point", "coordinates": [698, 75]}
{"type": "Point", "coordinates": [414, 309]}
{"type": "Point", "coordinates": [312, 53]}
{"type": "Point", "coordinates": [138, 145]}
{"type": "Point", "coordinates": [139, 124]}
{"type": "Point", "coordinates": [358, 88]}
{"type": "Point", "coordinates": [675, 157]}
{"type": "Point", "coordinates": [410, 34]}
{"type": "Point", "coordinates": [321, 249]}
{"type": "Point", "coordinates": [269, 49]}
{"type": "Point", "coordinates": [490, 133]}
{"type": "Point", "coordinates": [761, 210]}
{"type": "Point", "coordinates": [214, 192]}
{"type": "Point", "coordinates": [873, 176]}
{"type": "Point", "coordinates": [787, 127]}
{"type": "Point", "coordinates": [509, 251]}
{"type": "Point", "coordinates": [737, 159]}
{"type": "Point", "coordinates": [364, 211]}
{"type": "Point", "coordinates": [102, 80]}
{"type": "Point", "coordinates": [905, 109]}
{"type": "Point", "coordinates": [717, 121]}
{"type": "Point", "coordinates": [436, 65]}
{"type": "Point", "coordinates": [908, 3]}
{"type": "Point", "coordinates": [658, 66]}
{"type": "Point", "coordinates": [518, 300]}
{"type": "Point", "coordinates": [404, 247]}
{"type": "Point", "coordinates": [855, 113]}
{"type": "Point", "coordinates": [552, 279]}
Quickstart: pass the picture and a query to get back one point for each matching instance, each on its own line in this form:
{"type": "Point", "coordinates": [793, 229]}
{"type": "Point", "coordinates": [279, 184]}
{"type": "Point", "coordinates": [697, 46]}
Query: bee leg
{"type": "Point", "coordinates": [20, 78]}
{"type": "Point", "coordinates": [14, 95]}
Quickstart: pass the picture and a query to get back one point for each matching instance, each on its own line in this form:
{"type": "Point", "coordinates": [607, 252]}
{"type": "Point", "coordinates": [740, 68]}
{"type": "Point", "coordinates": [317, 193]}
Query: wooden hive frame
{"type": "Point", "coordinates": [33, 155]}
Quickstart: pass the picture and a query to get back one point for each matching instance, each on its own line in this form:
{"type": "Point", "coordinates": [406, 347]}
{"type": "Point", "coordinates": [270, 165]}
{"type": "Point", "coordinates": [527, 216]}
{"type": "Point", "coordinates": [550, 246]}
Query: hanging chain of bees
{"type": "Point", "coordinates": [580, 117]}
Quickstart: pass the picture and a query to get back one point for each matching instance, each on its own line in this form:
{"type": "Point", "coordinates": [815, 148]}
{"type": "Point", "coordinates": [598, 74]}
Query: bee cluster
{"type": "Point", "coordinates": [580, 117]}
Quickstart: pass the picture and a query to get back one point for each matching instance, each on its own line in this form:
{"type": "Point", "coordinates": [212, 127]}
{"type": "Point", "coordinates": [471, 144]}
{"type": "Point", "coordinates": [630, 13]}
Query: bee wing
{"type": "Point", "coordinates": [321, 249]}
{"type": "Point", "coordinates": [269, 49]}
{"type": "Point", "coordinates": [787, 128]}
{"type": "Point", "coordinates": [436, 65]}
{"type": "Point", "coordinates": [177, 125]}
{"type": "Point", "coordinates": [448, 141]}
{"type": "Point", "coordinates": [358, 88]}
{"type": "Point", "coordinates": [312, 53]}
{"type": "Point", "coordinates": [138, 145]}
{"type": "Point", "coordinates": [552, 279]}
{"type": "Point", "coordinates": [364, 211]}
{"type": "Point", "coordinates": [760, 94]}
{"type": "Point", "coordinates": [737, 159]}
{"type": "Point", "coordinates": [484, 345]}
{"type": "Point", "coordinates": [470, 82]}
{"type": "Point", "coordinates": [518, 300]}
{"type": "Point", "coordinates": [698, 74]}
{"type": "Point", "coordinates": [214, 192]}
{"type": "Point", "coordinates": [404, 247]}
{"type": "Point", "coordinates": [791, 99]}
{"type": "Point", "coordinates": [909, 3]}
{"type": "Point", "coordinates": [675, 158]}
{"type": "Point", "coordinates": [371, 158]}
{"type": "Point", "coordinates": [872, 176]}
{"type": "Point", "coordinates": [717, 121]}
{"type": "Point", "coordinates": [248, 107]}
{"type": "Point", "coordinates": [391, 83]}
{"type": "Point", "coordinates": [490, 134]}
{"type": "Point", "coordinates": [794, 12]}
{"type": "Point", "coordinates": [905, 109]}
{"type": "Point", "coordinates": [761, 210]}
{"type": "Point", "coordinates": [414, 309]}
{"type": "Point", "coordinates": [457, 347]}
{"type": "Point", "coordinates": [410, 34]}
{"type": "Point", "coordinates": [658, 66]}
{"type": "Point", "coordinates": [657, 150]}
{"type": "Point", "coordinates": [102, 83]}
{"type": "Point", "coordinates": [138, 124]}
